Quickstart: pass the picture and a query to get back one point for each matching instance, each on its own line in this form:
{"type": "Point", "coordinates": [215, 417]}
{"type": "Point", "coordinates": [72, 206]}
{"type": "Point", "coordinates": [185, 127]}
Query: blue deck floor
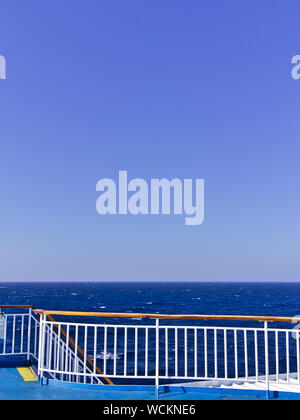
{"type": "Point", "coordinates": [13, 387]}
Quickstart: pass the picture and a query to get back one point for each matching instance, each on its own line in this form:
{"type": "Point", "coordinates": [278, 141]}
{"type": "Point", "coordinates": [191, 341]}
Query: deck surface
{"type": "Point", "coordinates": [13, 387]}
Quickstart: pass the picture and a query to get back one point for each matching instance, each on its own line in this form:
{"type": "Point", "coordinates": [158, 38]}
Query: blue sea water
{"type": "Point", "coordinates": [280, 299]}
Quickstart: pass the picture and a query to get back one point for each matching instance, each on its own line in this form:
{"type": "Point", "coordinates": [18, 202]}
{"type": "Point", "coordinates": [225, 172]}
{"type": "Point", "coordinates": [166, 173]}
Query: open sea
{"type": "Point", "coordinates": [278, 299]}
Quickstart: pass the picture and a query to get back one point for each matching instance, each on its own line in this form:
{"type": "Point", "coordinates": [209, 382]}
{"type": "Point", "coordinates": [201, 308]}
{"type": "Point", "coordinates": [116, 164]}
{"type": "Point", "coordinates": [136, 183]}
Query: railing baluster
{"type": "Point", "coordinates": [95, 350]}
{"type": "Point", "coordinates": [287, 358]}
{"type": "Point", "coordinates": [185, 354]}
{"type": "Point", "coordinates": [35, 338]}
{"type": "Point", "coordinates": [58, 348]}
{"type": "Point", "coordinates": [105, 350]}
{"type": "Point", "coordinates": [76, 353]}
{"type": "Point", "coordinates": [176, 351]}
{"type": "Point", "coordinates": [225, 355]}
{"type": "Point", "coordinates": [5, 334]}
{"type": "Point", "coordinates": [135, 351]}
{"type": "Point", "coordinates": [22, 333]}
{"type": "Point", "coordinates": [195, 352]}
{"type": "Point", "coordinates": [157, 354]}
{"type": "Point", "coordinates": [29, 335]}
{"type": "Point", "coordinates": [146, 350]}
{"type": "Point", "coordinates": [166, 352]}
{"type": "Point", "coordinates": [125, 349]}
{"type": "Point", "coordinates": [62, 359]}
{"type": "Point", "coordinates": [47, 344]}
{"type": "Point", "coordinates": [115, 349]}
{"type": "Point", "coordinates": [246, 353]}
{"type": "Point", "coordinates": [235, 355]}
{"type": "Point", "coordinates": [41, 358]}
{"type": "Point", "coordinates": [71, 367]}
{"type": "Point", "coordinates": [13, 335]}
{"type": "Point", "coordinates": [277, 355]}
{"type": "Point", "coordinates": [50, 347]}
{"type": "Point", "coordinates": [205, 354]}
{"type": "Point", "coordinates": [216, 352]}
{"type": "Point", "coordinates": [85, 351]}
{"type": "Point", "coordinates": [256, 355]}
{"type": "Point", "coordinates": [266, 354]}
{"type": "Point", "coordinates": [67, 348]}
{"type": "Point", "coordinates": [54, 352]}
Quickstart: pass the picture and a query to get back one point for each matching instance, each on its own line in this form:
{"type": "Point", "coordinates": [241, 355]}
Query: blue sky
{"type": "Point", "coordinates": [197, 89]}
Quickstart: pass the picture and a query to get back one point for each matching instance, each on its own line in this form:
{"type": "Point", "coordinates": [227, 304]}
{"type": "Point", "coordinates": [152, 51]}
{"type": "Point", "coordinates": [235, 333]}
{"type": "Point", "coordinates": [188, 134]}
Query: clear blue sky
{"type": "Point", "coordinates": [189, 89]}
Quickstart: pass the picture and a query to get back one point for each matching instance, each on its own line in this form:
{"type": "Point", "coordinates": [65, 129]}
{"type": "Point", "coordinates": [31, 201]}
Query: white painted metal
{"type": "Point", "coordinates": [157, 353]}
{"type": "Point", "coordinates": [216, 353]}
{"type": "Point", "coordinates": [266, 354]}
{"type": "Point", "coordinates": [19, 335]}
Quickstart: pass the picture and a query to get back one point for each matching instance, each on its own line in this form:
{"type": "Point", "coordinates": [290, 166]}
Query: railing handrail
{"type": "Point", "coordinates": [167, 316]}
{"type": "Point", "coordinates": [155, 316]}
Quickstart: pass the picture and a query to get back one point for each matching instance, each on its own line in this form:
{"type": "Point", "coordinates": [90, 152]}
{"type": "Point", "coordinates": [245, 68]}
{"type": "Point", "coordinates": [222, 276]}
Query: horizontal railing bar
{"type": "Point", "coordinates": [154, 316]}
{"type": "Point", "coordinates": [195, 378]}
{"type": "Point", "coordinates": [165, 316]}
{"type": "Point", "coordinates": [171, 327]}
{"type": "Point", "coordinates": [74, 324]}
{"type": "Point", "coordinates": [64, 372]}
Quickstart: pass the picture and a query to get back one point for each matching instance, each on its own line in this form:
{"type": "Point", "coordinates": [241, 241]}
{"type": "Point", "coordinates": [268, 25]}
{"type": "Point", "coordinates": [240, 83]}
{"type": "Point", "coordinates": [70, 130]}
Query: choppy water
{"type": "Point", "coordinates": [185, 298]}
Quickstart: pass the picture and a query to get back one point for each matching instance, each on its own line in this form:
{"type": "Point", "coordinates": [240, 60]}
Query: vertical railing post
{"type": "Point", "coordinates": [29, 334]}
{"type": "Point", "coordinates": [5, 334]}
{"type": "Point", "coordinates": [13, 335]}
{"type": "Point", "coordinates": [41, 347]}
{"type": "Point", "coordinates": [267, 358]}
{"type": "Point", "coordinates": [157, 357]}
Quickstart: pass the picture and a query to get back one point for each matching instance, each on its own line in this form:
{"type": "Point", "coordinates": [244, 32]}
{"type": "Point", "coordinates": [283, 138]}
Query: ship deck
{"type": "Point", "coordinates": [13, 387]}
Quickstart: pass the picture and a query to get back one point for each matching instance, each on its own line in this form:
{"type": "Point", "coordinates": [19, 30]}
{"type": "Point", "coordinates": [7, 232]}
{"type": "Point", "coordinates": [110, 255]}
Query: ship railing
{"type": "Point", "coordinates": [20, 338]}
{"type": "Point", "coordinates": [158, 351]}
{"type": "Point", "coordinates": [63, 349]}
{"type": "Point", "coordinates": [19, 332]}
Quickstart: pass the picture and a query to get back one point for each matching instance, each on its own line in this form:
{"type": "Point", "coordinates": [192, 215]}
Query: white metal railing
{"type": "Point", "coordinates": [58, 355]}
{"type": "Point", "coordinates": [168, 353]}
{"type": "Point", "coordinates": [97, 353]}
{"type": "Point", "coordinates": [21, 332]}
{"type": "Point", "coordinates": [21, 337]}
